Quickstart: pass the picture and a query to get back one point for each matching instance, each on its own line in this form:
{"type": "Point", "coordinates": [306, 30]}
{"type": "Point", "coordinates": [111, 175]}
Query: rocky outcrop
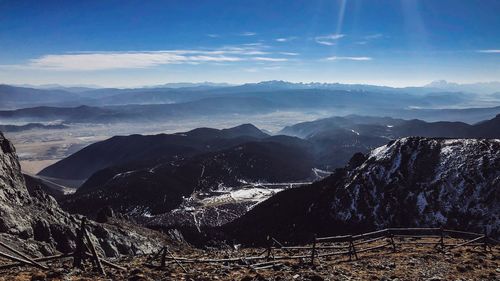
{"type": "Point", "coordinates": [13, 193]}
{"type": "Point", "coordinates": [32, 219]}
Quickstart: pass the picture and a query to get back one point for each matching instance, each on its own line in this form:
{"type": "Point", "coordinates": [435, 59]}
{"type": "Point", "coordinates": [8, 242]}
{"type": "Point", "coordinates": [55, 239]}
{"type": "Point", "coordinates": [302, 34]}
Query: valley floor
{"type": "Point", "coordinates": [409, 262]}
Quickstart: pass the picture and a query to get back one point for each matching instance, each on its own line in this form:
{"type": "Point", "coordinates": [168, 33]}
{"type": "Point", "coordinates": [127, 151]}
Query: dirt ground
{"type": "Point", "coordinates": [409, 262]}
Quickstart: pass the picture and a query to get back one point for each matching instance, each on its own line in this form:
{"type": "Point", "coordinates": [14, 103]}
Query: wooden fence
{"type": "Point", "coordinates": [320, 247]}
{"type": "Point", "coordinates": [349, 245]}
{"type": "Point", "coordinates": [85, 250]}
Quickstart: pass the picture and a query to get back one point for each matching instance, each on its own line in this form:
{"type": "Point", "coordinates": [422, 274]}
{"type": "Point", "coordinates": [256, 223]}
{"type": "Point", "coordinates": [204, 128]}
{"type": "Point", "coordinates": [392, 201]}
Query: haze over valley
{"type": "Point", "coordinates": [47, 129]}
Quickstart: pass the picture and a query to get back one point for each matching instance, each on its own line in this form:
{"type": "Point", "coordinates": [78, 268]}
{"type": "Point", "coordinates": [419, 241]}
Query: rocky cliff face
{"type": "Point", "coordinates": [12, 222]}
{"type": "Point", "coordinates": [32, 219]}
{"type": "Point", "coordinates": [408, 182]}
{"type": "Point", "coordinates": [420, 181]}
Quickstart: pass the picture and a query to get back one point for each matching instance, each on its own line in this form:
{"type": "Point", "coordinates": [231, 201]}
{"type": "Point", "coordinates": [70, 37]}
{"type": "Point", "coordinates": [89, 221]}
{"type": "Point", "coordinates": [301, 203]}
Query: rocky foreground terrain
{"type": "Point", "coordinates": [430, 176]}
{"type": "Point", "coordinates": [32, 221]}
{"type": "Point", "coordinates": [408, 263]}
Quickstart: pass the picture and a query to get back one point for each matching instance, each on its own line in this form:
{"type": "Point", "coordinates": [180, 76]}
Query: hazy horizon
{"type": "Point", "coordinates": [224, 83]}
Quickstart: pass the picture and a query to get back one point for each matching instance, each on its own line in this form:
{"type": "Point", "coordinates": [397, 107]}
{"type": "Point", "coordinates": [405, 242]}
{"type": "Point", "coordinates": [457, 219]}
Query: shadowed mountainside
{"type": "Point", "coordinates": [408, 182]}
{"type": "Point", "coordinates": [148, 150]}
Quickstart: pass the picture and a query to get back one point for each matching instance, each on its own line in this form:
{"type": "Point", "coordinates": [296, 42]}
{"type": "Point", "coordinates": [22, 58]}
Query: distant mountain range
{"type": "Point", "coordinates": [479, 88]}
{"type": "Point", "coordinates": [176, 104]}
{"type": "Point", "coordinates": [333, 139]}
{"type": "Point", "coordinates": [31, 126]}
{"type": "Point", "coordinates": [437, 94]}
{"type": "Point", "coordinates": [391, 128]}
{"type": "Point", "coordinates": [191, 85]}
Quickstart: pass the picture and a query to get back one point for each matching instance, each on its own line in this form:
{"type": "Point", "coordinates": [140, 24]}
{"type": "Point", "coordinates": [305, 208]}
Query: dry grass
{"type": "Point", "coordinates": [409, 262]}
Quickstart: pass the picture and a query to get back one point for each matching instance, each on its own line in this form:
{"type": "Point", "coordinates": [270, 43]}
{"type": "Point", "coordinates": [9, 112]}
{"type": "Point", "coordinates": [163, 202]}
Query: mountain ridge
{"type": "Point", "coordinates": [409, 182]}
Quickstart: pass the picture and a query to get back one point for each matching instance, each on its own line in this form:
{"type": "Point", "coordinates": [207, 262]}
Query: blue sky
{"type": "Point", "coordinates": [133, 43]}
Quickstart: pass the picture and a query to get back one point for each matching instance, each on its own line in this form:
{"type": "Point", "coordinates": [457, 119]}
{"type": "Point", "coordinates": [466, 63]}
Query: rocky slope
{"type": "Point", "coordinates": [31, 219]}
{"type": "Point", "coordinates": [409, 182]}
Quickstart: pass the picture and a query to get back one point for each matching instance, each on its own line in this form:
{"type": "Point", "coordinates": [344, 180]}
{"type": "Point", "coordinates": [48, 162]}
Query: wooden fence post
{"type": "Point", "coordinates": [269, 248]}
{"type": "Point", "coordinates": [175, 260]}
{"type": "Point", "coordinates": [163, 257]}
{"type": "Point", "coordinates": [352, 249]}
{"type": "Point", "coordinates": [441, 239]}
{"type": "Point", "coordinates": [281, 245]}
{"type": "Point", "coordinates": [313, 251]}
{"type": "Point", "coordinates": [485, 239]}
{"type": "Point", "coordinates": [97, 260]}
{"type": "Point", "coordinates": [78, 255]}
{"type": "Point", "coordinates": [393, 244]}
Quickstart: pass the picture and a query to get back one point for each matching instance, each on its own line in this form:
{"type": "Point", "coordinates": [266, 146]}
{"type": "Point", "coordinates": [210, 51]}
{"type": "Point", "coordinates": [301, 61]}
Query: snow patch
{"type": "Point", "coordinates": [421, 202]}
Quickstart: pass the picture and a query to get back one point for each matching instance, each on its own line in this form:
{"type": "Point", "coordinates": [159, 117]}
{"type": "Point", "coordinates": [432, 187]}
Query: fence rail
{"type": "Point", "coordinates": [275, 252]}
{"type": "Point", "coordinates": [351, 245]}
{"type": "Point", "coordinates": [85, 250]}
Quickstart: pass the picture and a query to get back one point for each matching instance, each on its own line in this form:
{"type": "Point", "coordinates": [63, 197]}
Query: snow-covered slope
{"type": "Point", "coordinates": [409, 182]}
{"type": "Point", "coordinates": [438, 181]}
{"type": "Point", "coordinates": [205, 209]}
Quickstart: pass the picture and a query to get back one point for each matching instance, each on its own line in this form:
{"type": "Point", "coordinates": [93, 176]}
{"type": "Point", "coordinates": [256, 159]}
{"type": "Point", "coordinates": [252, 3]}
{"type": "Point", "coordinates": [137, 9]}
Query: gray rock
{"type": "Point", "coordinates": [35, 223]}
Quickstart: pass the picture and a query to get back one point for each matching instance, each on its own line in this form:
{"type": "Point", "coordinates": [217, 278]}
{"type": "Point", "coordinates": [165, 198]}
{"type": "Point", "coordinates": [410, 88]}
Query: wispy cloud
{"type": "Point", "coordinates": [248, 33]}
{"type": "Point", "coordinates": [329, 40]}
{"type": "Point", "coordinates": [90, 61]}
{"type": "Point", "coordinates": [489, 51]}
{"type": "Point", "coordinates": [259, 69]}
{"type": "Point", "coordinates": [366, 39]}
{"type": "Point", "coordinates": [213, 35]}
{"type": "Point", "coordinates": [374, 36]}
{"type": "Point", "coordinates": [286, 39]}
{"type": "Point", "coordinates": [246, 49]}
{"type": "Point", "coordinates": [349, 58]}
{"type": "Point", "coordinates": [255, 44]}
{"type": "Point", "coordinates": [288, 53]}
{"type": "Point", "coordinates": [117, 60]}
{"type": "Point", "coordinates": [269, 59]}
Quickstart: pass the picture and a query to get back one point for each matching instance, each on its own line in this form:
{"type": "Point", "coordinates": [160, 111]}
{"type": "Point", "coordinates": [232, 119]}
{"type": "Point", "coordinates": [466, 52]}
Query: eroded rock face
{"type": "Point", "coordinates": [419, 181]}
{"type": "Point", "coordinates": [11, 221]}
{"type": "Point", "coordinates": [33, 220]}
